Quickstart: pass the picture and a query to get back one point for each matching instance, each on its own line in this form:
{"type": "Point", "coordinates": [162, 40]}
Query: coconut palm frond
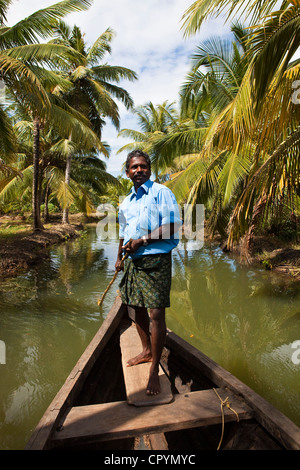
{"type": "Point", "coordinates": [14, 186]}
{"type": "Point", "coordinates": [105, 102]}
{"type": "Point", "coordinates": [120, 93]}
{"type": "Point", "coordinates": [100, 47]}
{"type": "Point", "coordinates": [4, 6]}
{"type": "Point", "coordinates": [131, 133]}
{"type": "Point", "coordinates": [40, 23]}
{"type": "Point", "coordinates": [63, 147]}
{"type": "Point", "coordinates": [273, 44]}
{"type": "Point", "coordinates": [279, 173]}
{"type": "Point", "coordinates": [65, 194]}
{"type": "Point", "coordinates": [6, 172]}
{"type": "Point", "coordinates": [234, 172]}
{"type": "Point", "coordinates": [113, 72]}
{"type": "Point", "coordinates": [19, 77]}
{"type": "Point", "coordinates": [199, 181]}
{"type": "Point", "coordinates": [50, 54]}
{"type": "Point", "coordinates": [201, 10]}
{"type": "Point", "coordinates": [7, 141]}
{"type": "Point", "coordinates": [72, 122]}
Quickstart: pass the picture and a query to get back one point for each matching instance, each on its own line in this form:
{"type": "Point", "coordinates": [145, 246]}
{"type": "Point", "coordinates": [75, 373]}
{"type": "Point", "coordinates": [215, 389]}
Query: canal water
{"type": "Point", "coordinates": [246, 319]}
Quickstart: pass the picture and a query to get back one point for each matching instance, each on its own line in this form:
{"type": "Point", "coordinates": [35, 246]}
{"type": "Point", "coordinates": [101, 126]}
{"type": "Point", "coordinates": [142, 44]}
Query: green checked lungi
{"type": "Point", "coordinates": [147, 281]}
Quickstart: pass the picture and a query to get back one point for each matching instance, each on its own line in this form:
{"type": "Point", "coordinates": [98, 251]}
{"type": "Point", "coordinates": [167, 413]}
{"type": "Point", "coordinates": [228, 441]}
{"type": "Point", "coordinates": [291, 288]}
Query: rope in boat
{"type": "Point", "coordinates": [223, 404]}
{"type": "Point", "coordinates": [100, 301]}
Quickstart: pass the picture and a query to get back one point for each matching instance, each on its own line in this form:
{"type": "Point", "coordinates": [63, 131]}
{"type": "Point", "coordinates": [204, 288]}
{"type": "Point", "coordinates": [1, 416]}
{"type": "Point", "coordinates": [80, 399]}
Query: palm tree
{"type": "Point", "coordinates": [19, 53]}
{"type": "Point", "coordinates": [260, 126]}
{"type": "Point", "coordinates": [264, 115]}
{"type": "Point", "coordinates": [154, 122]}
{"type": "Point", "coordinates": [115, 191]}
{"type": "Point", "coordinates": [92, 93]}
{"type": "Point", "coordinates": [174, 140]}
{"type": "Point", "coordinates": [88, 178]}
{"type": "Point", "coordinates": [248, 151]}
{"type": "Point", "coordinates": [217, 71]}
{"type": "Point", "coordinates": [19, 47]}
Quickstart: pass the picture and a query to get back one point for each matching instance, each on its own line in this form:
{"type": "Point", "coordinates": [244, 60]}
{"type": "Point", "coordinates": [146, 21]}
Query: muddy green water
{"type": "Point", "coordinates": [245, 319]}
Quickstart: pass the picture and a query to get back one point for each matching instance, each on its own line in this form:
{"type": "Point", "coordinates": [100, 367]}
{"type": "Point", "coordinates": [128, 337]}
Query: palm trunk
{"type": "Point", "coordinates": [46, 209]}
{"type": "Point", "coordinates": [37, 223]}
{"type": "Point", "coordinates": [257, 213]}
{"type": "Point", "coordinates": [67, 181]}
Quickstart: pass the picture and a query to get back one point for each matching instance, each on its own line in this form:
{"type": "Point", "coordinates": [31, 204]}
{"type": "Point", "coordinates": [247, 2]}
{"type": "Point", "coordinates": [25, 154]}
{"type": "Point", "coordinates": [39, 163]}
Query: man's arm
{"type": "Point", "coordinates": [119, 255]}
{"type": "Point", "coordinates": [160, 233]}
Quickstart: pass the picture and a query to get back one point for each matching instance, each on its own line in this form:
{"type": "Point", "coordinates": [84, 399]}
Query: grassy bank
{"type": "Point", "coordinates": [21, 247]}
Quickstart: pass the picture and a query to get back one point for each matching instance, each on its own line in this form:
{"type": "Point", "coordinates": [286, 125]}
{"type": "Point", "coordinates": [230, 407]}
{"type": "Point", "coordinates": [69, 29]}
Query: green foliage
{"type": "Point", "coordinates": [58, 97]}
{"type": "Point", "coordinates": [234, 145]}
{"type": "Point", "coordinates": [52, 208]}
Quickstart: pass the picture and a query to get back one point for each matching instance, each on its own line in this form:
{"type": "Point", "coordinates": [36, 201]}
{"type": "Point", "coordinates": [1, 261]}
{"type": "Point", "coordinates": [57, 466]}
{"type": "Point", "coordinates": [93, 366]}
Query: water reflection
{"type": "Point", "coordinates": [242, 318]}
{"type": "Point", "coordinates": [245, 319]}
{"type": "Point", "coordinates": [48, 317]}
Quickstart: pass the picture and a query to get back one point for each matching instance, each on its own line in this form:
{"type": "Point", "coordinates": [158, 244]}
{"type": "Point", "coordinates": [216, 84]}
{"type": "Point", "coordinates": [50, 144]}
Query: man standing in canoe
{"type": "Point", "coordinates": [149, 221]}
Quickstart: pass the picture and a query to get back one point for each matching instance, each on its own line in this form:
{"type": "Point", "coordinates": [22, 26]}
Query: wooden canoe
{"type": "Point", "coordinates": [202, 406]}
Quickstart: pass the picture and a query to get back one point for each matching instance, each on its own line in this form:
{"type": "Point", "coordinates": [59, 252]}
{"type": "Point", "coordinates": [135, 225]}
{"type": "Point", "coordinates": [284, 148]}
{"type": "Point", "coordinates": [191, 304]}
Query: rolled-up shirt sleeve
{"type": "Point", "coordinates": [122, 223]}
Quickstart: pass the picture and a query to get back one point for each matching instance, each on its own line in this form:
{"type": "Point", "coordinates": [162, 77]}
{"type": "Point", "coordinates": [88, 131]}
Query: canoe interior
{"type": "Point", "coordinates": [98, 378]}
{"type": "Point", "coordinates": [248, 435]}
{"type": "Point", "coordinates": [105, 384]}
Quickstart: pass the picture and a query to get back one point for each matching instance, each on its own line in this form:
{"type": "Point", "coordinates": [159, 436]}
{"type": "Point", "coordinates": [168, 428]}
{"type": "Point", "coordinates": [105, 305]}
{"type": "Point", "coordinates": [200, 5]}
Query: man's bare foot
{"type": "Point", "coordinates": [139, 359]}
{"type": "Point", "coordinates": [153, 387]}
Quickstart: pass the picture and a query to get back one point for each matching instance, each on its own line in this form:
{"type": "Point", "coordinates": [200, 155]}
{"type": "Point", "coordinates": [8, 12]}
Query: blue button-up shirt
{"type": "Point", "coordinates": [141, 212]}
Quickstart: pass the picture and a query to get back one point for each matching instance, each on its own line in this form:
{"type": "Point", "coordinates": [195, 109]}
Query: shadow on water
{"type": "Point", "coordinates": [242, 318]}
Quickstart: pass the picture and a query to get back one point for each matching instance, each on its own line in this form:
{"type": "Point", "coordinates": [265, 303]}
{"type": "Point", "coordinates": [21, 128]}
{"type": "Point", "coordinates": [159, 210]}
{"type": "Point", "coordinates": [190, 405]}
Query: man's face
{"type": "Point", "coordinates": [138, 171]}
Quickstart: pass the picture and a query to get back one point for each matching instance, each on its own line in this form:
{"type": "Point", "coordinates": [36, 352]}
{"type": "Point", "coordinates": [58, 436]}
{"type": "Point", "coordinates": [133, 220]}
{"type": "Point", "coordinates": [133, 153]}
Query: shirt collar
{"type": "Point", "coordinates": [145, 187]}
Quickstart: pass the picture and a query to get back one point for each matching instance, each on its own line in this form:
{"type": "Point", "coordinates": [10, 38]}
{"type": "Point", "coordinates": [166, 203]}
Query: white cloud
{"type": "Point", "coordinates": [149, 40]}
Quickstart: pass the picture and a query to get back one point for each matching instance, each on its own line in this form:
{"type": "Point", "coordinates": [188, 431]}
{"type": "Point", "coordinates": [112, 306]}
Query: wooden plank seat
{"type": "Point", "coordinates": [136, 377]}
{"type": "Point", "coordinates": [116, 420]}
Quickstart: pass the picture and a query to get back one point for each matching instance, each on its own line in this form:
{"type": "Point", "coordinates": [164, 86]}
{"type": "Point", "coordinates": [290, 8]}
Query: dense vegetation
{"type": "Point", "coordinates": [233, 145]}
{"type": "Point", "coordinates": [230, 142]}
{"type": "Point", "coordinates": [57, 97]}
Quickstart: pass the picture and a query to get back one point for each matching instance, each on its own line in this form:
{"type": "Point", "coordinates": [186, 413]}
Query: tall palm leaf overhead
{"type": "Point", "coordinates": [19, 45]}
{"type": "Point", "coordinates": [93, 89]}
{"type": "Point", "coordinates": [4, 6]}
{"type": "Point", "coordinates": [20, 50]}
{"type": "Point", "coordinates": [38, 24]}
{"type": "Point", "coordinates": [217, 70]}
{"type": "Point", "coordinates": [274, 43]}
{"type": "Point", "coordinates": [201, 10]}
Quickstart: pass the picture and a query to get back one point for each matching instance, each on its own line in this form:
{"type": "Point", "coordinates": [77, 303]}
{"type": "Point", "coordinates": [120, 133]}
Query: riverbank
{"type": "Point", "coordinates": [22, 248]}
{"type": "Point", "coordinates": [272, 254]}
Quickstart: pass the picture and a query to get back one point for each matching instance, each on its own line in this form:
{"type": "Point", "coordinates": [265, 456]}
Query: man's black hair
{"type": "Point", "coordinates": [137, 153]}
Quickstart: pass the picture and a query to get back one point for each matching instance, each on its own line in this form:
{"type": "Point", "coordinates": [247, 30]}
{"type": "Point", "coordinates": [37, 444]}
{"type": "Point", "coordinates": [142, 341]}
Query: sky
{"type": "Point", "coordinates": [148, 40]}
